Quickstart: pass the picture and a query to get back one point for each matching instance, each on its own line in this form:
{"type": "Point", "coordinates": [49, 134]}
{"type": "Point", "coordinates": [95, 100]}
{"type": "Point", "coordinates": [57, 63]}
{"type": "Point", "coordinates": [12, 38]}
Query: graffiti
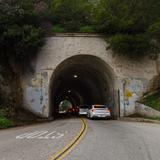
{"type": "Point", "coordinates": [128, 93]}
{"type": "Point", "coordinates": [132, 89]}
{"type": "Point", "coordinates": [133, 86]}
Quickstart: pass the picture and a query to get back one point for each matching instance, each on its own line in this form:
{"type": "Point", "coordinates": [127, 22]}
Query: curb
{"type": "Point", "coordinates": [138, 119]}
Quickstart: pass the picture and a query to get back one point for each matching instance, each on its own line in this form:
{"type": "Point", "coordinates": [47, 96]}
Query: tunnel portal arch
{"type": "Point", "coordinates": [114, 78]}
{"type": "Point", "coordinates": [83, 79]}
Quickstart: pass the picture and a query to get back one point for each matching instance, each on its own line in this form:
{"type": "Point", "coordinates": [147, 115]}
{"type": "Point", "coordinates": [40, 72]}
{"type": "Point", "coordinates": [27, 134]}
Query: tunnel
{"type": "Point", "coordinates": [82, 79]}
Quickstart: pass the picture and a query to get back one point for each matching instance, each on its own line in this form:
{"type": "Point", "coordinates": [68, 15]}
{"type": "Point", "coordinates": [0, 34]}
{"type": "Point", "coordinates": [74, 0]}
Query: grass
{"type": "Point", "coordinates": [87, 29]}
{"type": "Point", "coordinates": [12, 117]}
{"type": "Point", "coordinates": [5, 122]}
{"type": "Point", "coordinates": [154, 118]}
{"type": "Point", "coordinates": [58, 29]}
{"type": "Point", "coordinates": [153, 101]}
{"type": "Point", "coordinates": [83, 29]}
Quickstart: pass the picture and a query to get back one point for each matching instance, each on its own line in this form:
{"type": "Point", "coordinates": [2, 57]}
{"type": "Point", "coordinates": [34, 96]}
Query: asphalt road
{"type": "Point", "coordinates": [104, 140]}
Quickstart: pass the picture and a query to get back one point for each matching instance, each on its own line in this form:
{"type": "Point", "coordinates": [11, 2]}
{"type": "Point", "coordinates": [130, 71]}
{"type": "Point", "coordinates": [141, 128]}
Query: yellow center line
{"type": "Point", "coordinates": [69, 147]}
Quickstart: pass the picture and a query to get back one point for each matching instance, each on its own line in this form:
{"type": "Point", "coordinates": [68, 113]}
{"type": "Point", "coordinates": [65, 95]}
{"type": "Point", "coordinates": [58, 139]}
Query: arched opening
{"type": "Point", "coordinates": [64, 105]}
{"type": "Point", "coordinates": [83, 79]}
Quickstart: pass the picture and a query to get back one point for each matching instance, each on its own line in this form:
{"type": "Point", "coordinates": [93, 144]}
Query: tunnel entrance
{"type": "Point", "coordinates": [64, 106]}
{"type": "Point", "coordinates": [82, 79]}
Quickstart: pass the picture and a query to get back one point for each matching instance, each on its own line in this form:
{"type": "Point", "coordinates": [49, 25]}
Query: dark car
{"type": "Point", "coordinates": [73, 111]}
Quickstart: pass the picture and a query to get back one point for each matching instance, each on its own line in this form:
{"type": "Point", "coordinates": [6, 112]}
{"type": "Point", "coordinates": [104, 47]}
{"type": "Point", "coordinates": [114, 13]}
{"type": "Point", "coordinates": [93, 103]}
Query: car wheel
{"type": "Point", "coordinates": [88, 115]}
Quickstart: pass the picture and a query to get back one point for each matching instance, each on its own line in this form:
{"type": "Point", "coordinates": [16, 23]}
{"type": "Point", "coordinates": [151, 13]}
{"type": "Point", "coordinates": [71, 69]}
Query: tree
{"type": "Point", "coordinates": [20, 33]}
{"type": "Point", "coordinates": [20, 38]}
{"type": "Point", "coordinates": [71, 14]}
{"type": "Point", "coordinates": [131, 26]}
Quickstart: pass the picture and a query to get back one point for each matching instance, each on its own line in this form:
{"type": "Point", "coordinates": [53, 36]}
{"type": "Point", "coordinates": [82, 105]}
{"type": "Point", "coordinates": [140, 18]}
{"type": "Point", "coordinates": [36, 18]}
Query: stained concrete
{"type": "Point", "coordinates": [127, 79]}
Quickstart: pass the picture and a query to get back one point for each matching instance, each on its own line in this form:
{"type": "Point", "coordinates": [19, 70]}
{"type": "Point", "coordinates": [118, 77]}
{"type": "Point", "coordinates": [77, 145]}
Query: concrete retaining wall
{"type": "Point", "coordinates": [146, 111]}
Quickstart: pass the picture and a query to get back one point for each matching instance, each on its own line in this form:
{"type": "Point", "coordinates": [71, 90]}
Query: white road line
{"type": "Point", "coordinates": [37, 135]}
{"type": "Point", "coordinates": [34, 133]}
{"type": "Point", "coordinates": [22, 136]}
{"type": "Point", "coordinates": [42, 135]}
{"type": "Point", "coordinates": [47, 136]}
{"type": "Point", "coordinates": [59, 135]}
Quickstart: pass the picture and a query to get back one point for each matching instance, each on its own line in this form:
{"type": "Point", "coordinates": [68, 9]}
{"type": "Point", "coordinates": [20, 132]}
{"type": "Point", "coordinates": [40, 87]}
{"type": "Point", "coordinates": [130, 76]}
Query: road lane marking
{"type": "Point", "coordinates": [68, 148]}
{"type": "Point", "coordinates": [47, 136]}
{"type": "Point", "coordinates": [37, 135]}
{"type": "Point", "coordinates": [22, 136]}
{"type": "Point", "coordinates": [59, 135]}
{"type": "Point", "coordinates": [42, 135]}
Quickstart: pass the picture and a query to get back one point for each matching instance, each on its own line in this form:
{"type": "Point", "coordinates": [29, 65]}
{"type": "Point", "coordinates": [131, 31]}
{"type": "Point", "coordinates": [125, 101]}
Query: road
{"type": "Point", "coordinates": [104, 140]}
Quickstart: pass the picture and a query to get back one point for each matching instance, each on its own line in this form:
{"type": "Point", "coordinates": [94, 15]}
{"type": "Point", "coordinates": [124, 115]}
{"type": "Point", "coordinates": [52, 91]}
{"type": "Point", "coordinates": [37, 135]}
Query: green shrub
{"type": "Point", "coordinates": [153, 101]}
{"type": "Point", "coordinates": [20, 30]}
{"type": "Point", "coordinates": [132, 26]}
{"type": "Point", "coordinates": [4, 122]}
{"type": "Point", "coordinates": [87, 29]}
{"type": "Point", "coordinates": [71, 14]}
{"type": "Point", "coordinates": [134, 46]}
{"type": "Point", "coordinates": [58, 29]}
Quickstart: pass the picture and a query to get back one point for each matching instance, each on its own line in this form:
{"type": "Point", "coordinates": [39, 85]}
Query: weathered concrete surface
{"type": "Point", "coordinates": [154, 83]}
{"type": "Point", "coordinates": [40, 146]}
{"type": "Point", "coordinates": [105, 140]}
{"type": "Point", "coordinates": [131, 77]}
{"type": "Point", "coordinates": [115, 140]}
{"type": "Point", "coordinates": [146, 110]}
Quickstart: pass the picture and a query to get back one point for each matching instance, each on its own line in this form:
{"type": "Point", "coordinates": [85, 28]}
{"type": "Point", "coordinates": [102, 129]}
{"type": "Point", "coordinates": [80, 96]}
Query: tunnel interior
{"type": "Point", "coordinates": [82, 79]}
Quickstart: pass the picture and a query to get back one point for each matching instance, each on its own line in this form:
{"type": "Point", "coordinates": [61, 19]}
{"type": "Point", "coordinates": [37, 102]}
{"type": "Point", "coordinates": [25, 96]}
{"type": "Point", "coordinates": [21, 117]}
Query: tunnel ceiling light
{"type": "Point", "coordinates": [69, 91]}
{"type": "Point", "coordinates": [75, 76]}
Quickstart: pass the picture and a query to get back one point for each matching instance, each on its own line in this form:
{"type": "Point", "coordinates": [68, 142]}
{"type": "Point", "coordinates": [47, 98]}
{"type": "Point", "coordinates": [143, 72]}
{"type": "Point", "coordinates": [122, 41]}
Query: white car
{"type": "Point", "coordinates": [98, 111]}
{"type": "Point", "coordinates": [83, 109]}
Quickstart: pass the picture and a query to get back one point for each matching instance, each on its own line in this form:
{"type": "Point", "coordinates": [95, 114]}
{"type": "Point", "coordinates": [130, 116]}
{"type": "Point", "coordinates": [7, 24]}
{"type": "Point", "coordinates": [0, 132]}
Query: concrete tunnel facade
{"type": "Point", "coordinates": [81, 68]}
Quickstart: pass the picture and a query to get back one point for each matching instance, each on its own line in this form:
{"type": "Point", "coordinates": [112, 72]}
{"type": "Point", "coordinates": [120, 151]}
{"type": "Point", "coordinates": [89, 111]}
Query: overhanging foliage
{"type": "Point", "coordinates": [132, 26]}
{"type": "Point", "coordinates": [20, 33]}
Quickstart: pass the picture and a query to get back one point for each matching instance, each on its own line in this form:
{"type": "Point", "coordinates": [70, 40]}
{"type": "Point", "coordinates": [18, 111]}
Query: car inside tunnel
{"type": "Point", "coordinates": [81, 79]}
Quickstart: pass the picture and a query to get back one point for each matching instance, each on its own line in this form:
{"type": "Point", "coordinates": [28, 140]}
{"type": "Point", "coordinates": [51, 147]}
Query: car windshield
{"type": "Point", "coordinates": [100, 106]}
{"type": "Point", "coordinates": [84, 107]}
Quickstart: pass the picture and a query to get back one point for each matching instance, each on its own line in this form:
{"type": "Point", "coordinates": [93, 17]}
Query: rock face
{"type": "Point", "coordinates": [5, 90]}
{"type": "Point", "coordinates": [10, 89]}
{"type": "Point", "coordinates": [158, 64]}
{"type": "Point", "coordinates": [126, 80]}
{"type": "Point", "coordinates": [154, 83]}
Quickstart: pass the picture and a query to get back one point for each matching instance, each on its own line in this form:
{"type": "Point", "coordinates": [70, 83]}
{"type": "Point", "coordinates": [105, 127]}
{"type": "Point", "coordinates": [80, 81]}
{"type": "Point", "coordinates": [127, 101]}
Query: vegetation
{"type": "Point", "coordinates": [20, 33]}
{"type": "Point", "coordinates": [4, 122]}
{"type": "Point", "coordinates": [71, 14]}
{"type": "Point", "coordinates": [132, 29]}
{"type": "Point", "coordinates": [153, 100]}
{"type": "Point", "coordinates": [154, 118]}
{"type": "Point", "coordinates": [58, 29]}
{"type": "Point", "coordinates": [137, 115]}
{"type": "Point", "coordinates": [87, 29]}
{"type": "Point", "coordinates": [20, 38]}
{"type": "Point", "coordinates": [132, 26]}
